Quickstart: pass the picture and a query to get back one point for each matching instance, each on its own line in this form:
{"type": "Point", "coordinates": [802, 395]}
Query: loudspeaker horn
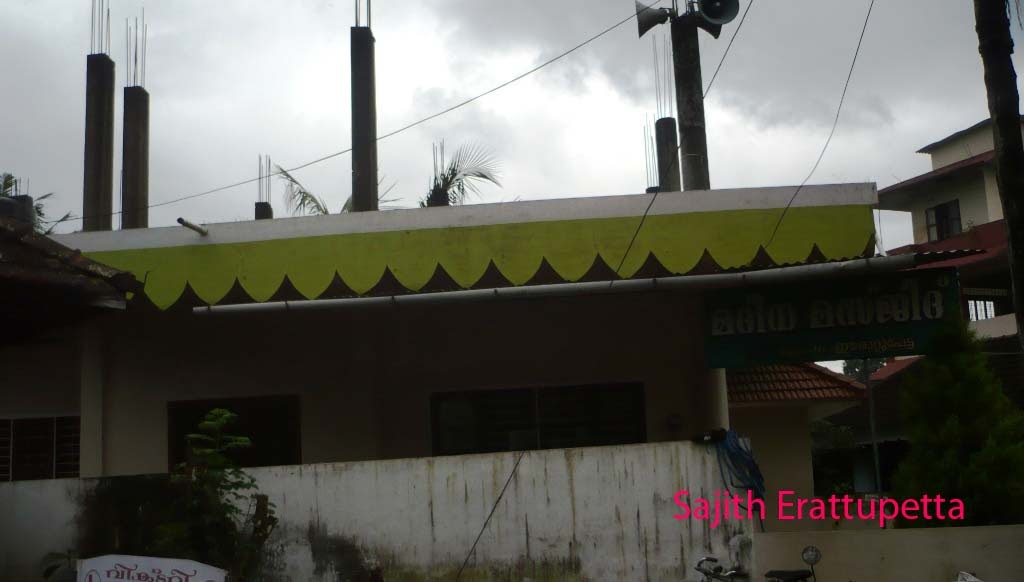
{"type": "Point", "coordinates": [719, 11]}
{"type": "Point", "coordinates": [648, 17]}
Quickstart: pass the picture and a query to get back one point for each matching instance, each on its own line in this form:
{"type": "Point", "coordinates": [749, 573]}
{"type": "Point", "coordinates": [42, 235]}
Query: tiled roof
{"type": "Point", "coordinates": [892, 368]}
{"type": "Point", "coordinates": [790, 383]}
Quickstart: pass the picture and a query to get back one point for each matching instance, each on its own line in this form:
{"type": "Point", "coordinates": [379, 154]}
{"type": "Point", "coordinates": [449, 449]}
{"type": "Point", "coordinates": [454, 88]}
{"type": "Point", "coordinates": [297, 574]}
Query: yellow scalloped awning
{"type": "Point", "coordinates": [732, 238]}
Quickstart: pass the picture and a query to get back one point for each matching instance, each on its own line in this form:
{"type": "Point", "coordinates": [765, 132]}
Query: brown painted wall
{"type": "Point", "coordinates": [365, 375]}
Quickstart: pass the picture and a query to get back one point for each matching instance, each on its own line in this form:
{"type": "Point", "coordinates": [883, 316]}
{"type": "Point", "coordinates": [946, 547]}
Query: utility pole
{"type": "Point", "coordinates": [693, 138]}
{"type": "Point", "coordinates": [711, 400]}
{"type": "Point", "coordinates": [992, 23]}
{"type": "Point", "coordinates": [866, 372]}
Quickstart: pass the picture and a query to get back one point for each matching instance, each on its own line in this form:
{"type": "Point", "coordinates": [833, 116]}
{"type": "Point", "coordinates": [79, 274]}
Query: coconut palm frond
{"type": "Point", "coordinates": [475, 163]}
{"type": "Point", "coordinates": [460, 176]}
{"type": "Point", "coordinates": [65, 218]}
{"type": "Point", "coordinates": [7, 184]}
{"type": "Point", "coordinates": [298, 199]}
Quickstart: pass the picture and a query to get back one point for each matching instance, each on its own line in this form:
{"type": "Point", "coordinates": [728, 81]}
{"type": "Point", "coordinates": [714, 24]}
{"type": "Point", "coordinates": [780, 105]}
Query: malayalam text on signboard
{"type": "Point", "coordinates": [878, 316]}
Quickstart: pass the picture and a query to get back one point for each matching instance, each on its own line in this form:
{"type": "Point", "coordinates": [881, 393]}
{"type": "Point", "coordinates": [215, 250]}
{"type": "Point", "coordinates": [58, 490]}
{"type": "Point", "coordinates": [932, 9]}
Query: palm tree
{"type": "Point", "coordinates": [995, 43]}
{"type": "Point", "coordinates": [11, 186]}
{"type": "Point", "coordinates": [455, 179]}
{"type": "Point", "coordinates": [300, 200]}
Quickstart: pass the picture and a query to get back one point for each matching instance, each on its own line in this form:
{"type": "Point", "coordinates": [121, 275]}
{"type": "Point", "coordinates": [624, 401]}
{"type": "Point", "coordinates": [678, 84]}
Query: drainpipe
{"type": "Point", "coordinates": [676, 283]}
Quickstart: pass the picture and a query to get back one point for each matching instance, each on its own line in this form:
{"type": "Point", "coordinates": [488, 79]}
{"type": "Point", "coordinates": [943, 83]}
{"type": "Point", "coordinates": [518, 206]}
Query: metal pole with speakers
{"type": "Point", "coordinates": [710, 401]}
{"type": "Point", "coordinates": [708, 15]}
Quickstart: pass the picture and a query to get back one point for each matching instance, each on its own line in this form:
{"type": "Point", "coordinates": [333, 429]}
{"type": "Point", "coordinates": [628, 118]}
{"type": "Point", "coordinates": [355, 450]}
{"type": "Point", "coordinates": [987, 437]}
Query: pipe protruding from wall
{"type": "Point", "coordinates": [98, 181]}
{"type": "Point", "coordinates": [193, 227]}
{"type": "Point", "coordinates": [364, 121]}
{"type": "Point", "coordinates": [135, 159]}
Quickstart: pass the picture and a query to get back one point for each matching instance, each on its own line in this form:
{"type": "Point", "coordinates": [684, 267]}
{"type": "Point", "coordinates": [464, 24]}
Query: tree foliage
{"type": "Point", "coordinates": [860, 370]}
{"type": "Point", "coordinates": [300, 200]}
{"type": "Point", "coordinates": [208, 510]}
{"type": "Point", "coordinates": [9, 187]}
{"type": "Point", "coordinates": [456, 178]}
{"type": "Point", "coordinates": [966, 437]}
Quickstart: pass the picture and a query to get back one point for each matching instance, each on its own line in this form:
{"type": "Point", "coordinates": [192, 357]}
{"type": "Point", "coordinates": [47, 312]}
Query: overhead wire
{"type": "Point", "coordinates": [675, 160]}
{"type": "Point", "coordinates": [831, 133]}
{"type": "Point", "coordinates": [459, 105]}
{"type": "Point", "coordinates": [727, 47]}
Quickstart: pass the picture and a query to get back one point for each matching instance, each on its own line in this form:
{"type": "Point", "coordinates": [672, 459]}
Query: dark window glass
{"type": "Point", "coordinates": [32, 457]}
{"type": "Point", "coordinates": [270, 422]}
{"type": "Point", "coordinates": [487, 421]}
{"type": "Point", "coordinates": [943, 221]}
{"type": "Point", "coordinates": [5, 449]}
{"type": "Point", "coordinates": [39, 448]}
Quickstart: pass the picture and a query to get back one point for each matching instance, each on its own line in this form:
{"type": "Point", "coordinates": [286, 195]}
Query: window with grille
{"type": "Point", "coordinates": [981, 309]}
{"type": "Point", "coordinates": [39, 448]}
{"type": "Point", "coordinates": [943, 221]}
{"type": "Point", "coordinates": [488, 421]}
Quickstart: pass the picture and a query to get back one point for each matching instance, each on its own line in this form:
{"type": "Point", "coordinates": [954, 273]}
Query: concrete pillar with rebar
{"type": "Point", "coordinates": [668, 154]}
{"type": "Point", "coordinates": [364, 121]}
{"type": "Point", "coordinates": [135, 159]}
{"type": "Point", "coordinates": [98, 182]}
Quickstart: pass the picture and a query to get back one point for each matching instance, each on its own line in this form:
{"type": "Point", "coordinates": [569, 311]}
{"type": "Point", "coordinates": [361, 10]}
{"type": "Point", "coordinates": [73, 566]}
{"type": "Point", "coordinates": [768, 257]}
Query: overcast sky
{"type": "Point", "coordinates": [233, 79]}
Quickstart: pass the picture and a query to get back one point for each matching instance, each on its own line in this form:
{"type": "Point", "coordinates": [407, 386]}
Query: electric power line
{"type": "Point", "coordinates": [675, 161]}
{"type": "Point", "coordinates": [511, 474]}
{"type": "Point", "coordinates": [399, 130]}
{"type": "Point", "coordinates": [729, 46]}
{"type": "Point", "coordinates": [835, 124]}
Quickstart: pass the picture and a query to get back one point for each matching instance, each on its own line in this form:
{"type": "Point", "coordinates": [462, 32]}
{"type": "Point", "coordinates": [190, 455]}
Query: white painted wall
{"type": "Point", "coordinates": [999, 326]}
{"type": "Point", "coordinates": [899, 555]}
{"type": "Point", "coordinates": [969, 189]}
{"type": "Point", "coordinates": [36, 518]}
{"type": "Point", "coordinates": [595, 513]}
{"type": "Point", "coordinates": [966, 146]}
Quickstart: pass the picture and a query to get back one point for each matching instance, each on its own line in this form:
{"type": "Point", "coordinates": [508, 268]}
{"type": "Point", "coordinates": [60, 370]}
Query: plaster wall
{"type": "Point", "coordinates": [40, 379]}
{"type": "Point", "coordinates": [899, 555]}
{"type": "Point", "coordinates": [781, 442]}
{"type": "Point", "coordinates": [977, 141]}
{"type": "Point", "coordinates": [601, 513]}
{"type": "Point", "coordinates": [969, 189]}
{"type": "Point", "coordinates": [365, 376]}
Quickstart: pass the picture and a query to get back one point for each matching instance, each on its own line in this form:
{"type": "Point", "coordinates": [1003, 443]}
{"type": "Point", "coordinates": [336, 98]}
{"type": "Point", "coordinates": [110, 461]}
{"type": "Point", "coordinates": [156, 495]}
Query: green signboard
{"type": "Point", "coordinates": [892, 314]}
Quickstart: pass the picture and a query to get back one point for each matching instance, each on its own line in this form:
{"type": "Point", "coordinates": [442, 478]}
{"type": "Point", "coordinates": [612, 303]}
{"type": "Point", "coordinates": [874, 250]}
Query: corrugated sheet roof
{"type": "Point", "coordinates": [790, 383]}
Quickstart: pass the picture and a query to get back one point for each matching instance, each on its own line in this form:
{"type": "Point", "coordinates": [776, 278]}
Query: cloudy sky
{"type": "Point", "coordinates": [233, 79]}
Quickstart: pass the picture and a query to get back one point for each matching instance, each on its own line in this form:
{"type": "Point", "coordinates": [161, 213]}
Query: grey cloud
{"type": "Point", "coordinates": [233, 79]}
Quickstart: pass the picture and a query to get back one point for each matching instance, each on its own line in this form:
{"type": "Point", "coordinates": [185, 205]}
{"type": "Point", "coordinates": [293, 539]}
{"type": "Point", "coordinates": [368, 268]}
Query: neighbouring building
{"type": "Point", "coordinates": [46, 291]}
{"type": "Point", "coordinates": [955, 206]}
